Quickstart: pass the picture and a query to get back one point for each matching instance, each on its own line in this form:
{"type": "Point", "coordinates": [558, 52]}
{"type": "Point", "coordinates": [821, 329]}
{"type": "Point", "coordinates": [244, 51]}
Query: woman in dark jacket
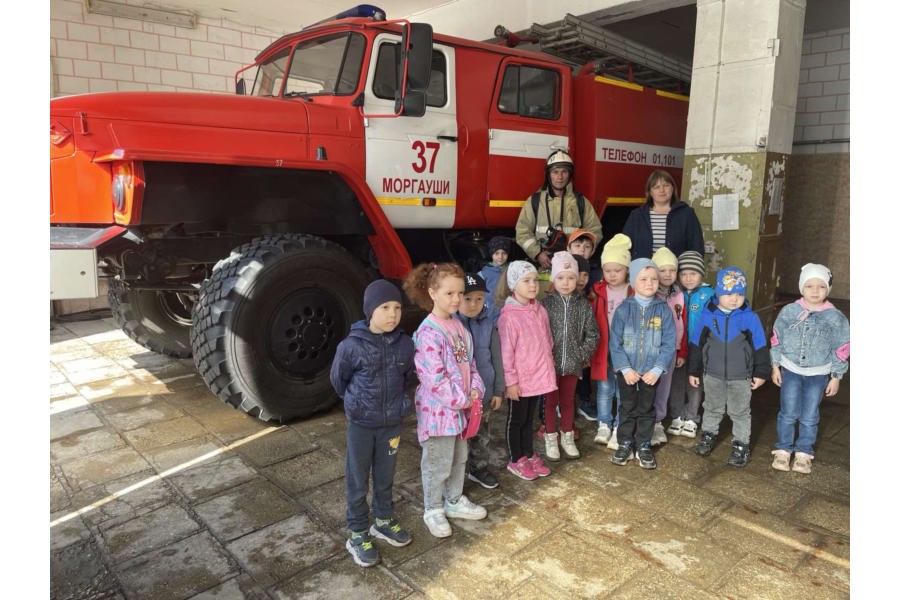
{"type": "Point", "coordinates": [676, 224]}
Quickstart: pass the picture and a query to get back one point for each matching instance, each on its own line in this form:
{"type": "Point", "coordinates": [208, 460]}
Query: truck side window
{"type": "Point", "coordinates": [529, 92]}
{"type": "Point", "coordinates": [384, 82]}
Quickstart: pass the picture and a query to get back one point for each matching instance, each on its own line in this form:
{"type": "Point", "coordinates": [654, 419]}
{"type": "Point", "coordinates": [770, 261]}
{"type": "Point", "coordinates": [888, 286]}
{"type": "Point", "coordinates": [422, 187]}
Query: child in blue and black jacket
{"type": "Point", "coordinates": [728, 349]}
{"type": "Point", "coordinates": [372, 368]}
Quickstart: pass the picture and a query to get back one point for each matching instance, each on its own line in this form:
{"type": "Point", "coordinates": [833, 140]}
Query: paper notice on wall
{"type": "Point", "coordinates": [776, 204]}
{"type": "Point", "coordinates": [725, 212]}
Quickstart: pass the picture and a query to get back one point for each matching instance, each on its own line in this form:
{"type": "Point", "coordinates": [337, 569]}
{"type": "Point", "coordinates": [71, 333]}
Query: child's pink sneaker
{"type": "Point", "coordinates": [522, 469]}
{"type": "Point", "coordinates": [538, 466]}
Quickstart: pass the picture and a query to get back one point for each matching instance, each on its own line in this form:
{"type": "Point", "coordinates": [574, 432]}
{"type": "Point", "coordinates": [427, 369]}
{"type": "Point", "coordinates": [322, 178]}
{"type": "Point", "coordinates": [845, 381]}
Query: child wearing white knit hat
{"type": "Point", "coordinates": [575, 337]}
{"type": "Point", "coordinates": [810, 354]}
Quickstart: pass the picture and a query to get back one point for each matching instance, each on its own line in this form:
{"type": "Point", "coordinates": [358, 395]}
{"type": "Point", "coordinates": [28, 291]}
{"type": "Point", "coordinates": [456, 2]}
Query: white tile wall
{"type": "Point", "coordinates": [823, 96]}
{"type": "Point", "coordinates": [97, 53]}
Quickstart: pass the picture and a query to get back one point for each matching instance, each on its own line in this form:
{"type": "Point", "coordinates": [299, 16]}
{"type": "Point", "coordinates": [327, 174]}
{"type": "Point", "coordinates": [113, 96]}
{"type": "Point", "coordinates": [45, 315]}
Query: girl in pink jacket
{"type": "Point", "coordinates": [448, 384]}
{"type": "Point", "coordinates": [526, 346]}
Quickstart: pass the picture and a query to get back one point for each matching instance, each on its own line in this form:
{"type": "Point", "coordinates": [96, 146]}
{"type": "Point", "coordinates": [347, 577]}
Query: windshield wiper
{"type": "Point", "coordinates": [304, 95]}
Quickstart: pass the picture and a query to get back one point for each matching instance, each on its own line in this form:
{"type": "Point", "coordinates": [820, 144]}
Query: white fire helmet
{"type": "Point", "coordinates": [560, 158]}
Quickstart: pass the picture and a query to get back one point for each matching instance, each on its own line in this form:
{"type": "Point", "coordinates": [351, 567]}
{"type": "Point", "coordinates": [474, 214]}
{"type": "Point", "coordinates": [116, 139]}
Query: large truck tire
{"type": "Point", "coordinates": [159, 321]}
{"type": "Point", "coordinates": [268, 321]}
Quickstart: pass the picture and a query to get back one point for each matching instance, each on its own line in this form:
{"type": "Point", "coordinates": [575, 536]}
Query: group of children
{"type": "Point", "coordinates": [653, 336]}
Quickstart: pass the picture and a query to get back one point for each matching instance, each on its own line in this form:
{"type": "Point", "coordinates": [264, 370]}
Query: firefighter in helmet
{"type": "Point", "coordinates": [553, 212]}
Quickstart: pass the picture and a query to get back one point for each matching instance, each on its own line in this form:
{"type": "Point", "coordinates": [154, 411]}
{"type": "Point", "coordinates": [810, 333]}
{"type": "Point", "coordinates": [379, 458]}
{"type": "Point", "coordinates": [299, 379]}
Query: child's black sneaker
{"type": "Point", "coordinates": [484, 478]}
{"type": "Point", "coordinates": [707, 441]}
{"type": "Point", "coordinates": [362, 549]}
{"type": "Point", "coordinates": [390, 531]}
{"type": "Point", "coordinates": [623, 454]}
{"type": "Point", "coordinates": [740, 454]}
{"type": "Point", "coordinates": [645, 457]}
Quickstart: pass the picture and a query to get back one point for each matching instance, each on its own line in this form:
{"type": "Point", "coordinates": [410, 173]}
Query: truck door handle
{"type": "Point", "coordinates": [449, 138]}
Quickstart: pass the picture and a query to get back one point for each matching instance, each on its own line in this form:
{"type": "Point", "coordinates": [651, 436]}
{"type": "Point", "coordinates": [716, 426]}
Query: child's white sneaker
{"type": "Point", "coordinates": [464, 509]}
{"type": "Point", "coordinates": [568, 445]}
{"type": "Point", "coordinates": [675, 426]}
{"type": "Point", "coordinates": [603, 433]}
{"type": "Point", "coordinates": [613, 443]}
{"type": "Point", "coordinates": [688, 429]}
{"type": "Point", "coordinates": [551, 446]}
{"type": "Point", "coordinates": [782, 460]}
{"type": "Point", "coordinates": [437, 523]}
{"type": "Point", "coordinates": [802, 462]}
{"type": "Point", "coordinates": [659, 435]}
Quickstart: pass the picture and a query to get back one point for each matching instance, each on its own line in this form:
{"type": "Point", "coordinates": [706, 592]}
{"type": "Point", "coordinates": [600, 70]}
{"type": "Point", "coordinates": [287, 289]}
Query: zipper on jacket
{"type": "Point", "coordinates": [565, 331]}
{"type": "Point", "coordinates": [383, 381]}
{"type": "Point", "coordinates": [725, 352]}
{"type": "Point", "coordinates": [641, 337]}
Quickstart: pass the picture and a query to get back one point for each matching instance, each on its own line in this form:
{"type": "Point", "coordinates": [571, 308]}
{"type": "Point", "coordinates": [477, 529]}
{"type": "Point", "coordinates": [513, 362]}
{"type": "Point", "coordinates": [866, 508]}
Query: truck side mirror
{"type": "Point", "coordinates": [241, 87]}
{"type": "Point", "coordinates": [416, 63]}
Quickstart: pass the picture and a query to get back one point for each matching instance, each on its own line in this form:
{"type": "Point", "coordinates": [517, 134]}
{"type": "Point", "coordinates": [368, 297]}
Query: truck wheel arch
{"type": "Point", "coordinates": [268, 321]}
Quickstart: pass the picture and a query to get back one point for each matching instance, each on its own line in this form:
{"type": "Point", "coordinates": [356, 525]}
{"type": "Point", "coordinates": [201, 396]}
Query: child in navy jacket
{"type": "Point", "coordinates": [372, 367]}
{"type": "Point", "coordinates": [728, 348]}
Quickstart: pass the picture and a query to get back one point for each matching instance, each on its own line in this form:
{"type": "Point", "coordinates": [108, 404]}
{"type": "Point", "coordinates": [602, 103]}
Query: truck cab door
{"type": "Point", "coordinates": [411, 162]}
{"type": "Point", "coordinates": [528, 119]}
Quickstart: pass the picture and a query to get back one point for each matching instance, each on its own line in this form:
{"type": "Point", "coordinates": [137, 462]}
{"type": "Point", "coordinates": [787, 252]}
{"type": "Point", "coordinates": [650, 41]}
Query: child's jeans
{"type": "Point", "coordinates": [663, 387]}
{"type": "Point", "coordinates": [443, 469]}
{"type": "Point", "coordinates": [480, 445]}
{"type": "Point", "coordinates": [684, 400]}
{"type": "Point", "coordinates": [607, 389]}
{"type": "Point", "coordinates": [370, 450]}
{"type": "Point", "coordinates": [800, 399]}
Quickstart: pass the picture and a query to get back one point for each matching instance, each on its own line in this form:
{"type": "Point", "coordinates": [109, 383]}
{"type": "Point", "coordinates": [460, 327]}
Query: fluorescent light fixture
{"type": "Point", "coordinates": [141, 13]}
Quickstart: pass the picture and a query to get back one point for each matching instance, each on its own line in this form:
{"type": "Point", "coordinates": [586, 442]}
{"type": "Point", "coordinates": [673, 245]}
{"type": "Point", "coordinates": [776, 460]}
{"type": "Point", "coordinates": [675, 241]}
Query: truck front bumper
{"type": "Point", "coordinates": [73, 260]}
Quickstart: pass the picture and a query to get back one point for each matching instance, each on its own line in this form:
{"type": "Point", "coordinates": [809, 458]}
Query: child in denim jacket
{"type": "Point", "coordinates": [810, 354]}
{"type": "Point", "coordinates": [642, 346]}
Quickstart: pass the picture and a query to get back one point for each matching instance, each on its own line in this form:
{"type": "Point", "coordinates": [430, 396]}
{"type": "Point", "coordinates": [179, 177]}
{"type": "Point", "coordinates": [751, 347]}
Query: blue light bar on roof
{"type": "Point", "coordinates": [361, 10]}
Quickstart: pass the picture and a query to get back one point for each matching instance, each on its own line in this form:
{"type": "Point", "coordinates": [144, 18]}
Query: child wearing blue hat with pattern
{"type": "Point", "coordinates": [728, 349]}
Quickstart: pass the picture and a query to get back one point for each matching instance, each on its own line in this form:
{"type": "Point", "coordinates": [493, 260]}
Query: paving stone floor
{"type": "Point", "coordinates": [159, 491]}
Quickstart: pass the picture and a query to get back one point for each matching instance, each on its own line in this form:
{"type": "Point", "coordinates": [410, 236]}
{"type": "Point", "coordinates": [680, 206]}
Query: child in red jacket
{"type": "Point", "coordinates": [608, 295]}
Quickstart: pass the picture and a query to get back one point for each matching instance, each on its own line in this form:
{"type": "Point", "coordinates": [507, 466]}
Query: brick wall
{"type": "Point", "coordinates": [816, 220]}
{"type": "Point", "coordinates": [98, 53]}
{"type": "Point", "coordinates": [823, 96]}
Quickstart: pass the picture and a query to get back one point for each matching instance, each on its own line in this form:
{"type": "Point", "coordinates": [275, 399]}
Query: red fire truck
{"type": "Point", "coordinates": [241, 229]}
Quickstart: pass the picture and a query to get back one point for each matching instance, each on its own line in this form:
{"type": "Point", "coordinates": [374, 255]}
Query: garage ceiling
{"type": "Point", "coordinates": [670, 30]}
{"type": "Point", "coordinates": [667, 35]}
{"type": "Point", "coordinates": [285, 16]}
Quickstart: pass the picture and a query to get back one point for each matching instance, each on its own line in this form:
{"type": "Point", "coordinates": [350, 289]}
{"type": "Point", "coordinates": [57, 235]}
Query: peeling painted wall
{"type": "Point", "coordinates": [756, 178]}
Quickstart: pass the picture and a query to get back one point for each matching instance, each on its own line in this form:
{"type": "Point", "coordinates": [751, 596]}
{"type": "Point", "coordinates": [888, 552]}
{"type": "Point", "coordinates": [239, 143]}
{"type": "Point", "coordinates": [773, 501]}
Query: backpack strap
{"type": "Point", "coordinates": [579, 199]}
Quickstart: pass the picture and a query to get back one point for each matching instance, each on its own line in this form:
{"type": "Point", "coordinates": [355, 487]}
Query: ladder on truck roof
{"type": "Point", "coordinates": [579, 42]}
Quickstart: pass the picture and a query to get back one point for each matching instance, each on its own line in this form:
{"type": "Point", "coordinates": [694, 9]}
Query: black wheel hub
{"type": "Point", "coordinates": [306, 328]}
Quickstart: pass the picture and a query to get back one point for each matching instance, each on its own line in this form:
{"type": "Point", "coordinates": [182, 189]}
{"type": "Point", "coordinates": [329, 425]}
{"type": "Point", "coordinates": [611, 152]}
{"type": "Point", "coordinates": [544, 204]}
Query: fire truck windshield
{"type": "Point", "coordinates": [328, 65]}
